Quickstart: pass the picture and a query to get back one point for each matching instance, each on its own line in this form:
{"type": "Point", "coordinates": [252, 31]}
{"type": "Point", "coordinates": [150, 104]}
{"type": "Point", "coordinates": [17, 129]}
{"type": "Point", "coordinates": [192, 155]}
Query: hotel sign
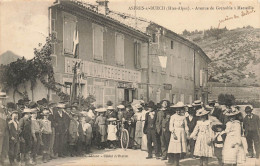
{"type": "Point", "coordinates": [103, 71]}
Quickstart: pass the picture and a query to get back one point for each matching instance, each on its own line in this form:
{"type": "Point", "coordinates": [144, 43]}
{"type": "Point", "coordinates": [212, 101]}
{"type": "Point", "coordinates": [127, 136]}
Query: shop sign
{"type": "Point", "coordinates": [125, 85]}
{"type": "Point", "coordinates": [103, 71]}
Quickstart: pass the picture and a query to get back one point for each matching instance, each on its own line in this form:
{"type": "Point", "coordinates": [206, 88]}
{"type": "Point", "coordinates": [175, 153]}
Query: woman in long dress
{"type": "Point", "coordinates": [179, 131]}
{"type": "Point", "coordinates": [233, 150]}
{"type": "Point", "coordinates": [204, 136]}
{"type": "Point", "coordinates": [138, 127]}
{"type": "Point", "coordinates": [144, 136]}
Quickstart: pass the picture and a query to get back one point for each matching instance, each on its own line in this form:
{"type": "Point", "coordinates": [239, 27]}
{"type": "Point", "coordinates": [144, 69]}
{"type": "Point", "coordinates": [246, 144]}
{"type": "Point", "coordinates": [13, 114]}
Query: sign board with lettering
{"type": "Point", "coordinates": [103, 71]}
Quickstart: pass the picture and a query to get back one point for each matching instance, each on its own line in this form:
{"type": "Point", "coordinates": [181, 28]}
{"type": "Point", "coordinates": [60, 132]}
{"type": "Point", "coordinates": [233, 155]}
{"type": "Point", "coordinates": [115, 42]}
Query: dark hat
{"type": "Point", "coordinates": [248, 108]}
{"type": "Point", "coordinates": [44, 100]}
{"type": "Point", "coordinates": [20, 102]}
{"type": "Point", "coordinates": [32, 105]}
{"type": "Point", "coordinates": [150, 104]}
{"type": "Point", "coordinates": [214, 127]}
{"type": "Point", "coordinates": [26, 99]}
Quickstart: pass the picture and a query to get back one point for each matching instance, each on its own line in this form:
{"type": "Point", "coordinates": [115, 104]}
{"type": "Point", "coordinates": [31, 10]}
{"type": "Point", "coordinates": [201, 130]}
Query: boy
{"type": "Point", "coordinates": [219, 139]}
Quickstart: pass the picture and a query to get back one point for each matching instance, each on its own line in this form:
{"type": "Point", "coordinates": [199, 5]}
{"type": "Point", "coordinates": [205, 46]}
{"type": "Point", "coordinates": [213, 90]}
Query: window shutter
{"type": "Point", "coordinates": [201, 77]}
{"type": "Point", "coordinates": [119, 49]}
{"type": "Point", "coordinates": [144, 55]}
{"type": "Point", "coordinates": [69, 28]}
{"type": "Point", "coordinates": [98, 42]}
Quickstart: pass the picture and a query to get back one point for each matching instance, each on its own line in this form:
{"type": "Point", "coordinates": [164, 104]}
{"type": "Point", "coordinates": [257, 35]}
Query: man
{"type": "Point", "coordinates": [51, 118]}
{"type": "Point", "coordinates": [161, 127]}
{"type": "Point", "coordinates": [36, 134]}
{"type": "Point", "coordinates": [13, 138]}
{"type": "Point", "coordinates": [128, 120]}
{"type": "Point", "coordinates": [4, 138]}
{"type": "Point", "coordinates": [60, 129]}
{"type": "Point", "coordinates": [150, 130]}
{"type": "Point", "coordinates": [25, 134]}
{"type": "Point", "coordinates": [191, 123]}
{"type": "Point", "coordinates": [252, 132]}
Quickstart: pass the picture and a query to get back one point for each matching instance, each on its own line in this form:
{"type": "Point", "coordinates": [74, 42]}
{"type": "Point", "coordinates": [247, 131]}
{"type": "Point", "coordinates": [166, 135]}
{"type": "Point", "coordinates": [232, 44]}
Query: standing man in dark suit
{"type": "Point", "coordinates": [161, 120]}
{"type": "Point", "coordinates": [191, 123]}
{"type": "Point", "coordinates": [252, 131]}
{"type": "Point", "coordinates": [150, 130]}
{"type": "Point", "coordinates": [13, 138]}
{"type": "Point", "coordinates": [60, 130]}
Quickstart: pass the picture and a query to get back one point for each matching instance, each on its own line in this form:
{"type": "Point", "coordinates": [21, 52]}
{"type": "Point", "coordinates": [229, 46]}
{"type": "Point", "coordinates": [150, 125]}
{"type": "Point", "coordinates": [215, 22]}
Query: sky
{"type": "Point", "coordinates": [24, 23]}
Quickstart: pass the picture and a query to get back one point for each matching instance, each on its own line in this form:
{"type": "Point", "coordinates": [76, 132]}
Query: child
{"type": "Point", "coordinates": [73, 134]}
{"type": "Point", "coordinates": [219, 139]}
{"type": "Point", "coordinates": [81, 138]}
{"type": "Point", "coordinates": [46, 134]}
{"type": "Point", "coordinates": [101, 127]}
{"type": "Point", "coordinates": [87, 129]}
{"type": "Point", "coordinates": [111, 130]}
{"type": "Point", "coordinates": [36, 134]}
{"type": "Point", "coordinates": [204, 136]}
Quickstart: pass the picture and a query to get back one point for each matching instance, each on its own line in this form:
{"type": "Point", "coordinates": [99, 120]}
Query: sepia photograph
{"type": "Point", "coordinates": [129, 82]}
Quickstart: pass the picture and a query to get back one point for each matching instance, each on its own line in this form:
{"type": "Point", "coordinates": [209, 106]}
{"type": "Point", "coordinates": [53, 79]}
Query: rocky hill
{"type": "Point", "coordinates": [8, 57]}
{"type": "Point", "coordinates": [235, 54]}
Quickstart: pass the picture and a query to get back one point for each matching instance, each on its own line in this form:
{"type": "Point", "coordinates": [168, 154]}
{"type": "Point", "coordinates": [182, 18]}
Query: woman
{"type": "Point", "coordinates": [101, 125]}
{"type": "Point", "coordinates": [138, 127]}
{"type": "Point", "coordinates": [204, 135]}
{"type": "Point", "coordinates": [144, 136]}
{"type": "Point", "coordinates": [233, 150]}
{"type": "Point", "coordinates": [179, 131]}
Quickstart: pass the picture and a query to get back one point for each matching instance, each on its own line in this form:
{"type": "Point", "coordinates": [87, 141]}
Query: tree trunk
{"type": "Point", "coordinates": [14, 94]}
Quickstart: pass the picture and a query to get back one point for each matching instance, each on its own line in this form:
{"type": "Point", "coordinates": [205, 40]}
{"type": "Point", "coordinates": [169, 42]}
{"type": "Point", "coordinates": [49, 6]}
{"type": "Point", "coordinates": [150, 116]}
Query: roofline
{"type": "Point", "coordinates": [184, 40]}
{"type": "Point", "coordinates": [135, 32]}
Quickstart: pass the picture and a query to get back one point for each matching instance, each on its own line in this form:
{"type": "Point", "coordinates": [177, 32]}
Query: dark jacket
{"type": "Point", "coordinates": [256, 124]}
{"type": "Point", "coordinates": [25, 128]}
{"type": "Point", "coordinates": [191, 124]}
{"type": "Point", "coordinates": [146, 122]}
{"type": "Point", "coordinates": [13, 132]}
{"type": "Point", "coordinates": [59, 123]}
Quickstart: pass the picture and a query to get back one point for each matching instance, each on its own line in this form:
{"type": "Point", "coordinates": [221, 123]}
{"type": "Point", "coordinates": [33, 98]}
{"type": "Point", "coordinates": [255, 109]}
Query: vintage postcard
{"type": "Point", "coordinates": [129, 82]}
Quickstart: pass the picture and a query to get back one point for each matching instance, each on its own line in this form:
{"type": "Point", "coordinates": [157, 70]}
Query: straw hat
{"type": "Point", "coordinates": [60, 105]}
{"type": "Point", "coordinates": [111, 119]}
{"type": "Point", "coordinates": [3, 95]}
{"type": "Point", "coordinates": [201, 112]}
{"type": "Point", "coordinates": [178, 105]}
{"type": "Point", "coordinates": [121, 106]}
{"type": "Point", "coordinates": [101, 110]}
{"type": "Point", "coordinates": [110, 107]}
{"type": "Point", "coordinates": [189, 106]}
{"type": "Point", "coordinates": [197, 103]}
{"type": "Point", "coordinates": [231, 111]}
{"type": "Point", "coordinates": [27, 110]}
{"type": "Point", "coordinates": [209, 108]}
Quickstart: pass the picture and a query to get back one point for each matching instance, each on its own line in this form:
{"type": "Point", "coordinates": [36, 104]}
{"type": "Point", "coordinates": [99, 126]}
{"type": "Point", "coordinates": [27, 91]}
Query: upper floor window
{"type": "Point", "coordinates": [69, 28]}
{"type": "Point", "coordinates": [153, 37]}
{"type": "Point", "coordinates": [171, 44]}
{"type": "Point", "coordinates": [98, 41]}
{"type": "Point", "coordinates": [119, 48]}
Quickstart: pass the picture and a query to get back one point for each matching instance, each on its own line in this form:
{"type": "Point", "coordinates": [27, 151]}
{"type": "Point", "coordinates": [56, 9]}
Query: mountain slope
{"type": "Point", "coordinates": [235, 55]}
{"type": "Point", "coordinates": [8, 57]}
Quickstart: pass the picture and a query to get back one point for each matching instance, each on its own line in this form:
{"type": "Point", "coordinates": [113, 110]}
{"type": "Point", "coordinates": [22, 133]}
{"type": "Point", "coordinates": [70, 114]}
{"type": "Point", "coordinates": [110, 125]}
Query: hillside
{"type": "Point", "coordinates": [8, 57]}
{"type": "Point", "coordinates": [235, 54]}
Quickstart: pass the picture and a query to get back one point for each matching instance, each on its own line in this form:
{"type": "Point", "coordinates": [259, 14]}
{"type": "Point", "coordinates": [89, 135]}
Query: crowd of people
{"type": "Point", "coordinates": [171, 131]}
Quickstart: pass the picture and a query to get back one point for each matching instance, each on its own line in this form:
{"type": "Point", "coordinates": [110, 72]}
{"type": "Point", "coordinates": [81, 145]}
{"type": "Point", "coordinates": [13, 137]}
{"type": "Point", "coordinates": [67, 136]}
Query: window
{"type": "Point", "coordinates": [201, 77]}
{"type": "Point", "coordinates": [69, 27]}
{"type": "Point", "coordinates": [154, 37]}
{"type": "Point", "coordinates": [137, 57]}
{"type": "Point", "coordinates": [171, 44]}
{"type": "Point", "coordinates": [68, 87]}
{"type": "Point", "coordinates": [173, 98]}
{"type": "Point", "coordinates": [98, 42]}
{"type": "Point", "coordinates": [182, 98]}
{"type": "Point", "coordinates": [119, 50]}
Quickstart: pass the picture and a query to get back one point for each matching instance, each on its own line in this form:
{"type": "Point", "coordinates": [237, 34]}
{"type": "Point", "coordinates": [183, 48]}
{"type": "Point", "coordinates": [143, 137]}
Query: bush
{"type": "Point", "coordinates": [254, 103]}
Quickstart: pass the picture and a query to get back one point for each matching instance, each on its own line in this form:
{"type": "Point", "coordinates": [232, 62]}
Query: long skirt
{"type": "Point", "coordinates": [179, 145]}
{"type": "Point", "coordinates": [144, 139]}
{"type": "Point", "coordinates": [138, 133]}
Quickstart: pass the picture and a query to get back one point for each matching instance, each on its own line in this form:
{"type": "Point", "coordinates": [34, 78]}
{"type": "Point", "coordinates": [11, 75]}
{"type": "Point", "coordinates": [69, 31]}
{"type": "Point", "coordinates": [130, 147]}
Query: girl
{"type": "Point", "coordinates": [233, 150]}
{"type": "Point", "coordinates": [101, 125]}
{"type": "Point", "coordinates": [179, 129]}
{"type": "Point", "coordinates": [112, 130]}
{"type": "Point", "coordinates": [204, 135]}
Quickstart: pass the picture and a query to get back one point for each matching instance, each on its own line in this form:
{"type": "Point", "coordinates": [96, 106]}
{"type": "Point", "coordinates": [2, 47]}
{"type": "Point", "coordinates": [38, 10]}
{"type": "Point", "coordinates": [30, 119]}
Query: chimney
{"type": "Point", "coordinates": [102, 6]}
